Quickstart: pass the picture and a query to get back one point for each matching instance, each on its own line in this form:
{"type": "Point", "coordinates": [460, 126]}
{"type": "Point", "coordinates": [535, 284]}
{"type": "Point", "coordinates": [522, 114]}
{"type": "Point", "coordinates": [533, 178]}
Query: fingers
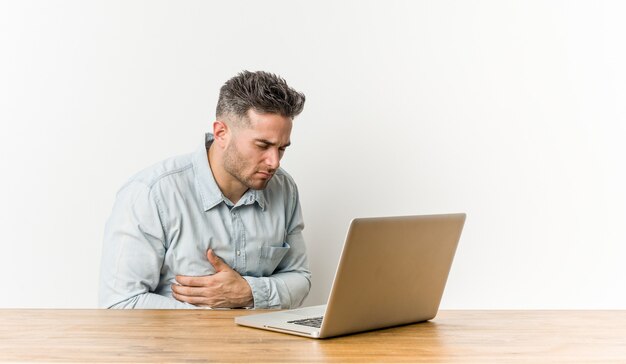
{"type": "Point", "coordinates": [188, 291]}
{"type": "Point", "coordinates": [194, 300]}
{"type": "Point", "coordinates": [194, 295]}
{"type": "Point", "coordinates": [198, 296]}
{"type": "Point", "coordinates": [193, 281]}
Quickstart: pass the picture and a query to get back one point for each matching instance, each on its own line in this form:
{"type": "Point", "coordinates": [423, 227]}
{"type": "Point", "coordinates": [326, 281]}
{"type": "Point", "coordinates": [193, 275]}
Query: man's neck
{"type": "Point", "coordinates": [230, 187]}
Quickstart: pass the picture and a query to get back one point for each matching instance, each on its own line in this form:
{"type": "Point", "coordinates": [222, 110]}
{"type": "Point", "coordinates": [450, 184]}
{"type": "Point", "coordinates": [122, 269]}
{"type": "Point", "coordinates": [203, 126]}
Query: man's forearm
{"type": "Point", "coordinates": [281, 290]}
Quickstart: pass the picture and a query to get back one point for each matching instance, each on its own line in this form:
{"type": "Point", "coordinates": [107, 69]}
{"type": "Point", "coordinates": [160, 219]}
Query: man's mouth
{"type": "Point", "coordinates": [266, 175]}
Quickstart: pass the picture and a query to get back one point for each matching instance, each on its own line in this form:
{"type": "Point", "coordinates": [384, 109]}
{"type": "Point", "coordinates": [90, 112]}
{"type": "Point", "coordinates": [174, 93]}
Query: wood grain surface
{"type": "Point", "coordinates": [195, 336]}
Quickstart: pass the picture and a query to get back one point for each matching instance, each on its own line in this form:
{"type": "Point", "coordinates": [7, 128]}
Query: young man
{"type": "Point", "coordinates": [221, 227]}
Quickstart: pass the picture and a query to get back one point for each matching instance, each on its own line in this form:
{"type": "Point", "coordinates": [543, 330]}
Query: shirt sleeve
{"type": "Point", "coordinates": [290, 283]}
{"type": "Point", "coordinates": [133, 252]}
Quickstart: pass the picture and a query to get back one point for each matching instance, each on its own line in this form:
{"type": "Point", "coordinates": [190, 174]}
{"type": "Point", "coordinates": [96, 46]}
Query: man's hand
{"type": "Point", "coordinates": [225, 288]}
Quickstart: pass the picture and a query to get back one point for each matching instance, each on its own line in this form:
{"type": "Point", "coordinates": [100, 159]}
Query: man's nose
{"type": "Point", "coordinates": [273, 159]}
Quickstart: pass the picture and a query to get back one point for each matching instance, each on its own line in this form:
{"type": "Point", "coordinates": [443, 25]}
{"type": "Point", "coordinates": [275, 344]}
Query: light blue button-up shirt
{"type": "Point", "coordinates": [165, 219]}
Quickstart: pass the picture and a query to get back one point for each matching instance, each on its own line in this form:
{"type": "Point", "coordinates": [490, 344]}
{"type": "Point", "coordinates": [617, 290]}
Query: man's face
{"type": "Point", "coordinates": [253, 153]}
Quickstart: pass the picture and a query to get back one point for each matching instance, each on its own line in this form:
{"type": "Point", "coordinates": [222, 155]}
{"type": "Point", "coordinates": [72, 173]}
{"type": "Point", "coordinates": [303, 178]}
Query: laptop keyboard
{"type": "Point", "coordinates": [312, 322]}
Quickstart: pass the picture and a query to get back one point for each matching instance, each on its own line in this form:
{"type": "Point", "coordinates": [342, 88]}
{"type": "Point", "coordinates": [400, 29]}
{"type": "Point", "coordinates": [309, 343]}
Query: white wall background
{"type": "Point", "coordinates": [511, 111]}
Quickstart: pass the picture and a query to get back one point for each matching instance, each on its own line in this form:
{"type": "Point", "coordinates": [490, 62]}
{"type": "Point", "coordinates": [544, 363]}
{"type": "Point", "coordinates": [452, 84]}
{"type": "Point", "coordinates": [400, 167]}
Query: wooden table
{"type": "Point", "coordinates": [212, 336]}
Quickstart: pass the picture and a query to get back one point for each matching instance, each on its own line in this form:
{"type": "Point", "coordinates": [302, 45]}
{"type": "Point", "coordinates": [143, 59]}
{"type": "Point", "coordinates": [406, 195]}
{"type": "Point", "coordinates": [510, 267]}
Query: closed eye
{"type": "Point", "coordinates": [262, 145]}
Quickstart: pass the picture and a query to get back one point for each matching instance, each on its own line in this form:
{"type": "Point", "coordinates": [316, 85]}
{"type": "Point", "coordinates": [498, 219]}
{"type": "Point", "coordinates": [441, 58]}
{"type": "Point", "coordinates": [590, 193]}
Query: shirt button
{"type": "Point", "coordinates": [238, 252]}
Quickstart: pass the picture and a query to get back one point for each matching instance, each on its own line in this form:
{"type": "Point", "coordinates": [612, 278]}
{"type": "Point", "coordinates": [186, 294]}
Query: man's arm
{"type": "Point", "coordinates": [133, 253]}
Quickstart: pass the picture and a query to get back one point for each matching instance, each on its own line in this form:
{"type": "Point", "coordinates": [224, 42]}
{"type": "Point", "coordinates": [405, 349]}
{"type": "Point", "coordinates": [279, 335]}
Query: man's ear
{"type": "Point", "coordinates": [221, 133]}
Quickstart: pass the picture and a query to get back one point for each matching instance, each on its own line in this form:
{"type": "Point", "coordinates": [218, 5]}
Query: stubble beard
{"type": "Point", "coordinates": [236, 166]}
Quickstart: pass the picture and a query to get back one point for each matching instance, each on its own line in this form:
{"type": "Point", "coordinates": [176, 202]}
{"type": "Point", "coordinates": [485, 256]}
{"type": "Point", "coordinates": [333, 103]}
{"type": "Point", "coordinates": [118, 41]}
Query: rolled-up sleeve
{"type": "Point", "coordinates": [133, 252]}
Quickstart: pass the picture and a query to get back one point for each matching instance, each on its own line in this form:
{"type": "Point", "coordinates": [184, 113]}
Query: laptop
{"type": "Point", "coordinates": [392, 271]}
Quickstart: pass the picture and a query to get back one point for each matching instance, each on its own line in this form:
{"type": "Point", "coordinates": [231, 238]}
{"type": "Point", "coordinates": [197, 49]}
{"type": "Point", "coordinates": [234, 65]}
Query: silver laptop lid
{"type": "Point", "coordinates": [392, 271]}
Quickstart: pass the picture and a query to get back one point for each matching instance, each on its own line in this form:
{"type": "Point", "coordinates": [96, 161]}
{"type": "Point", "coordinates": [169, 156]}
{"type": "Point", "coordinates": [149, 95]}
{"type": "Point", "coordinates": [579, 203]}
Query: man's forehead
{"type": "Point", "coordinates": [269, 126]}
{"type": "Point", "coordinates": [266, 133]}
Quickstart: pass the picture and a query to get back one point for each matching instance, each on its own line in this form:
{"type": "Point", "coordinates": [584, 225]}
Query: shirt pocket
{"type": "Point", "coordinates": [270, 258]}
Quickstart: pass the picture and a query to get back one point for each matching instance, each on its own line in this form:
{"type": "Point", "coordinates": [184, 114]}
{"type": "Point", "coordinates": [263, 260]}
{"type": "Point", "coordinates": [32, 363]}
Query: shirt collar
{"type": "Point", "coordinates": [255, 196]}
{"type": "Point", "coordinates": [210, 192]}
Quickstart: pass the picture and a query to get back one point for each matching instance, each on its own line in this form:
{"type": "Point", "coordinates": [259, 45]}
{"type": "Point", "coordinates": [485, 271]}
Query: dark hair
{"type": "Point", "coordinates": [263, 92]}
